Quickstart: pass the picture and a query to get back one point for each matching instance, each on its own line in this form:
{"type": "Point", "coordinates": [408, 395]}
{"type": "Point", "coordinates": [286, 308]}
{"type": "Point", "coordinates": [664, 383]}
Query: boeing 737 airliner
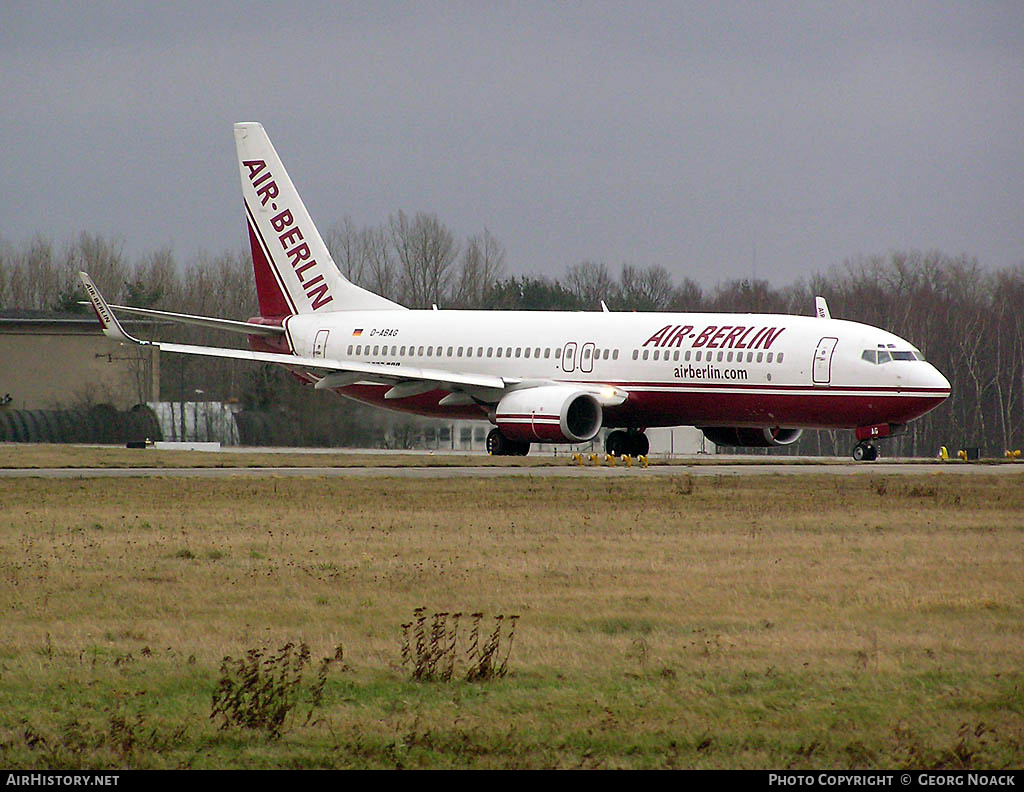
{"type": "Point", "coordinates": [554, 377]}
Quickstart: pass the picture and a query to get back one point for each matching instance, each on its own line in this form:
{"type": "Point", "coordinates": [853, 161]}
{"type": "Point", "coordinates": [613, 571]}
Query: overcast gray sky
{"type": "Point", "coordinates": [682, 134]}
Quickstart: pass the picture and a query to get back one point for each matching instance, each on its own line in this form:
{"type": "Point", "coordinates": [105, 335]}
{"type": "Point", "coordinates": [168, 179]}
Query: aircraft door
{"type": "Point", "coordinates": [320, 343]}
{"type": "Point", "coordinates": [823, 360]}
{"type": "Point", "coordinates": [587, 358]}
{"type": "Point", "coordinates": [569, 357]}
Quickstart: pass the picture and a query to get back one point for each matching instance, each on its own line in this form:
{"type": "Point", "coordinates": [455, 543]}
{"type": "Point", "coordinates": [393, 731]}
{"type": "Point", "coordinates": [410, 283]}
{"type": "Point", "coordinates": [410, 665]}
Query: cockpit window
{"type": "Point", "coordinates": [884, 355]}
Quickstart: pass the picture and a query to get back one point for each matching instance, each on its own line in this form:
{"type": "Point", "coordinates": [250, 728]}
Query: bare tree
{"type": "Point", "coordinates": [645, 289]}
{"type": "Point", "coordinates": [345, 244]}
{"type": "Point", "coordinates": [426, 250]}
{"type": "Point", "coordinates": [483, 264]}
{"type": "Point", "coordinates": [591, 283]}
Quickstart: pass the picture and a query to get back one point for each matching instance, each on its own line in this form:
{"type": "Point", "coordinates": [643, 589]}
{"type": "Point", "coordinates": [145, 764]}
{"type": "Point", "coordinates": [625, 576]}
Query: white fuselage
{"type": "Point", "coordinates": [679, 369]}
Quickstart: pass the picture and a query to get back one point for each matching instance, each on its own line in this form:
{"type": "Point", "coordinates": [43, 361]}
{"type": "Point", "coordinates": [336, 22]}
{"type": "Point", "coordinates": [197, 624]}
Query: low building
{"type": "Point", "coordinates": [52, 360]}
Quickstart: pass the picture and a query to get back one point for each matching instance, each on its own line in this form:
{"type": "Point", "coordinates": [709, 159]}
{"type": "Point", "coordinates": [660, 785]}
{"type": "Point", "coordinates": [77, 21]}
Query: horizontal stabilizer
{"type": "Point", "coordinates": [213, 322]}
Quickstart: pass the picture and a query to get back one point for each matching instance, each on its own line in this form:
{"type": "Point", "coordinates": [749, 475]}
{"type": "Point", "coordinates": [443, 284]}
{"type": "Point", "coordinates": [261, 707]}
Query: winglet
{"type": "Point", "coordinates": [111, 327]}
{"type": "Point", "coordinates": [821, 308]}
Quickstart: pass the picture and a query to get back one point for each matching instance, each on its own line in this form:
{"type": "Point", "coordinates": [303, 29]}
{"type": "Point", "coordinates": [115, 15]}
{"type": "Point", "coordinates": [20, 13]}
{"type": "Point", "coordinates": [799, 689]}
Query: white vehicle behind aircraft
{"type": "Point", "coordinates": [552, 376]}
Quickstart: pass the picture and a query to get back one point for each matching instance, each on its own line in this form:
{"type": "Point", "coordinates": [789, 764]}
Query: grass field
{"type": "Point", "coordinates": [765, 622]}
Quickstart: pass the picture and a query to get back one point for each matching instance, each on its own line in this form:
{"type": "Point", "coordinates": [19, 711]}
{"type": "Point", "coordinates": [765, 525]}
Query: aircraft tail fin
{"type": "Point", "coordinates": [294, 270]}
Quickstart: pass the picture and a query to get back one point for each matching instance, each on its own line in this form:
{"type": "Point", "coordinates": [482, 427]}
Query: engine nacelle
{"type": "Point", "coordinates": [549, 414]}
{"type": "Point", "coordinates": [748, 437]}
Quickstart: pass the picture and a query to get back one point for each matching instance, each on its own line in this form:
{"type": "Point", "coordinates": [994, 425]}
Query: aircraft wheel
{"type": "Point", "coordinates": [497, 443]}
{"type": "Point", "coordinates": [865, 452]}
{"type": "Point", "coordinates": [639, 445]}
{"type": "Point", "coordinates": [520, 448]}
{"type": "Point", "coordinates": [616, 443]}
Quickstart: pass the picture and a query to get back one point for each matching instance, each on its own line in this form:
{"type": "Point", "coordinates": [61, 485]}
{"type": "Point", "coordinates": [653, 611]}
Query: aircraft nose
{"type": "Point", "coordinates": [933, 378]}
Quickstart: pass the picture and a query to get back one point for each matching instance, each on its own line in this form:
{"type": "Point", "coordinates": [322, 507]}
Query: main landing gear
{"type": "Point", "coordinates": [865, 452]}
{"type": "Point", "coordinates": [499, 445]}
{"type": "Point", "coordinates": [620, 443]}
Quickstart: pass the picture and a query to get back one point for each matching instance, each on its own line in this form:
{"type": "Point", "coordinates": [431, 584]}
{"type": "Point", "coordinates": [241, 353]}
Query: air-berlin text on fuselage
{"type": "Point", "coordinates": [716, 337]}
{"type": "Point", "coordinates": [289, 235]}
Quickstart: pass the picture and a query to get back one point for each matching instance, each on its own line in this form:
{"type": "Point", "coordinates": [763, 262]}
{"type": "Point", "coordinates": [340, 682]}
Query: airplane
{"type": "Point", "coordinates": [749, 380]}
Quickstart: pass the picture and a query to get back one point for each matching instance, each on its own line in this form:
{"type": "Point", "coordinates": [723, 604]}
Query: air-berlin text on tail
{"type": "Point", "coordinates": [289, 235]}
{"type": "Point", "coordinates": [715, 337]}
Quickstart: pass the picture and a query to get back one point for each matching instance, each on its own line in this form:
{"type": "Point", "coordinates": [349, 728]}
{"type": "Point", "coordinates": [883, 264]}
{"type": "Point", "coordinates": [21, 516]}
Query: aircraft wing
{"type": "Point", "coordinates": [328, 373]}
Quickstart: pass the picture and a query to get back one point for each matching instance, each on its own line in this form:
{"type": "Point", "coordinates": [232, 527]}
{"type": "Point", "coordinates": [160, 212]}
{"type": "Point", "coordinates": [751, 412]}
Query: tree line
{"type": "Point", "coordinates": [968, 320]}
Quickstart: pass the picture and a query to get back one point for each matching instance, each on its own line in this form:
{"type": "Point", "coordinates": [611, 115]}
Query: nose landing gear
{"type": "Point", "coordinates": [865, 452]}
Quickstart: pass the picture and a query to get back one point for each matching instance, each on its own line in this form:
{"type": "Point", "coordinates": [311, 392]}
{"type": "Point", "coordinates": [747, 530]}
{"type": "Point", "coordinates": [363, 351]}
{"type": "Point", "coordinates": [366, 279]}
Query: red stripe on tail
{"type": "Point", "coordinates": [273, 301]}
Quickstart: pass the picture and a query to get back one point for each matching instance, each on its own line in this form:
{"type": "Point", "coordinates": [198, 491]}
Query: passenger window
{"type": "Point", "coordinates": [376, 350]}
{"type": "Point", "coordinates": [536, 352]}
{"type": "Point", "coordinates": [479, 351]}
{"type": "Point", "coordinates": [770, 356]}
{"type": "Point", "coordinates": [359, 349]}
{"type": "Point", "coordinates": [697, 356]}
{"type": "Point", "coordinates": [759, 356]}
{"type": "Point", "coordinates": [728, 357]}
{"type": "Point", "coordinates": [490, 351]}
{"type": "Point", "coordinates": [460, 351]}
{"type": "Point", "coordinates": [518, 351]}
{"type": "Point", "coordinates": [779, 358]}
{"type": "Point", "coordinates": [402, 352]}
{"type": "Point", "coordinates": [499, 351]}
{"type": "Point", "coordinates": [547, 353]}
{"type": "Point", "coordinates": [421, 352]}
{"type": "Point", "coordinates": [449, 351]}
{"type": "Point", "coordinates": [469, 351]}
{"type": "Point", "coordinates": [636, 354]}
{"type": "Point", "coordinates": [655, 354]}
{"type": "Point", "coordinates": [527, 352]}
{"type": "Point", "coordinates": [686, 355]}
{"type": "Point", "coordinates": [430, 351]}
{"type": "Point", "coordinates": [508, 352]}
{"type": "Point", "coordinates": [349, 350]}
{"type": "Point", "coordinates": [647, 352]}
{"type": "Point", "coordinates": [720, 356]}
{"type": "Point", "coordinates": [558, 353]}
{"type": "Point", "coordinates": [750, 357]}
{"type": "Point", "coordinates": [615, 355]}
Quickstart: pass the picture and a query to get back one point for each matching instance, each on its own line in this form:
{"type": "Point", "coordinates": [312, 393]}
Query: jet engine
{"type": "Point", "coordinates": [549, 414]}
{"type": "Point", "coordinates": [751, 437]}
